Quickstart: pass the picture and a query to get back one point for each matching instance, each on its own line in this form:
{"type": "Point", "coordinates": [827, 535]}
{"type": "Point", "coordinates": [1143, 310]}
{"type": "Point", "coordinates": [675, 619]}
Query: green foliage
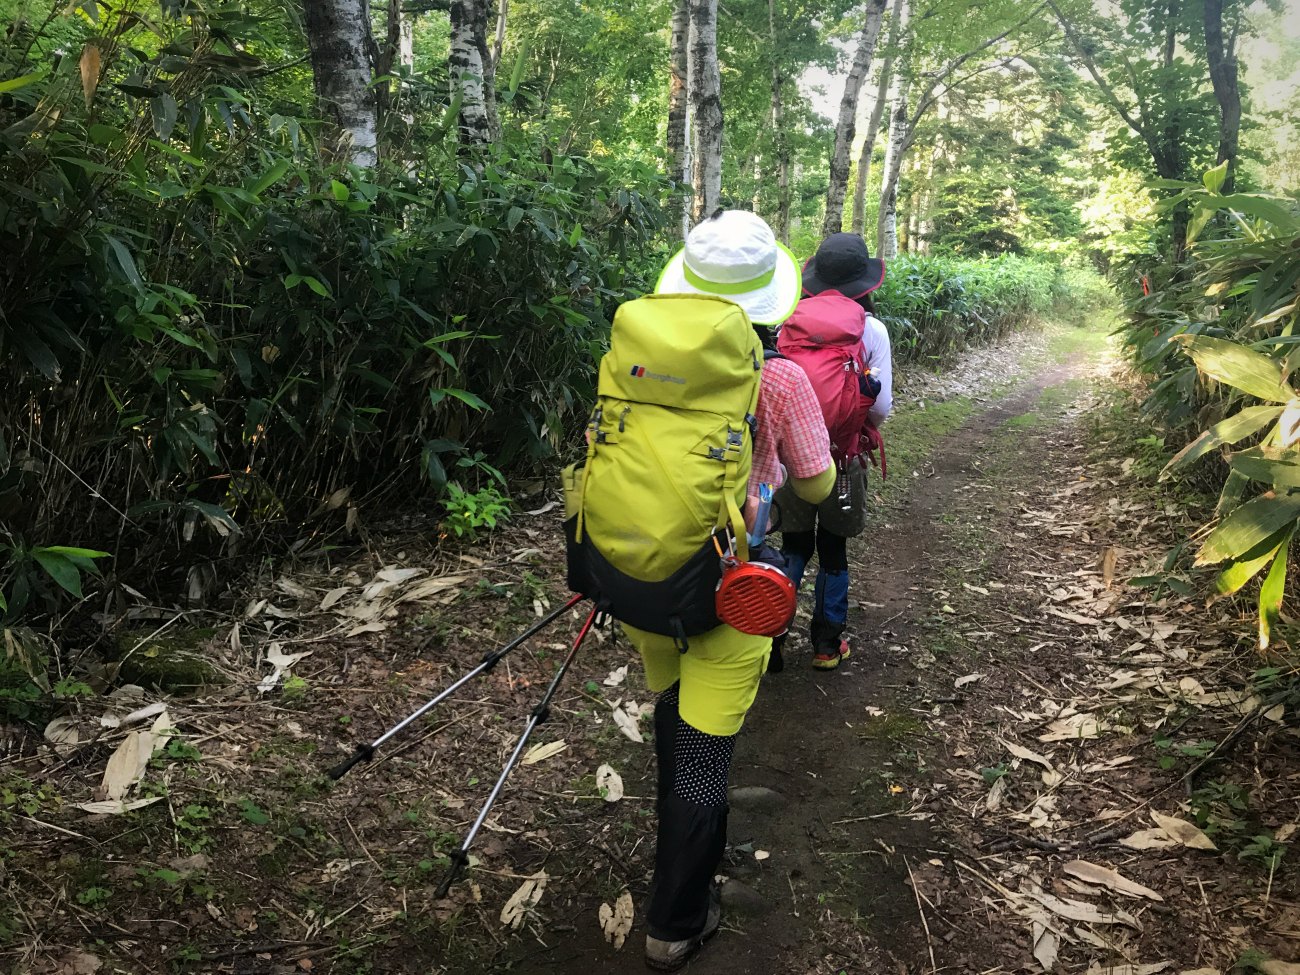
{"type": "Point", "coordinates": [209, 329]}
{"type": "Point", "coordinates": [1234, 317]}
{"type": "Point", "coordinates": [468, 512]}
{"type": "Point", "coordinates": [934, 307]}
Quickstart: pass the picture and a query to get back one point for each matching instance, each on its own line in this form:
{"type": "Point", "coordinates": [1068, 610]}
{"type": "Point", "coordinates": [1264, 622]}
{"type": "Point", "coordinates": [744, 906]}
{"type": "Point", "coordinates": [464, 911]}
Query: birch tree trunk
{"type": "Point", "coordinates": [503, 12]}
{"type": "Point", "coordinates": [406, 42]}
{"type": "Point", "coordinates": [470, 66]}
{"type": "Point", "coordinates": [338, 37]}
{"type": "Point", "coordinates": [845, 127]}
{"type": "Point", "coordinates": [678, 101]}
{"type": "Point", "coordinates": [887, 221]}
{"type": "Point", "coordinates": [897, 22]}
{"type": "Point", "coordinates": [781, 144]}
{"type": "Point", "coordinates": [706, 108]}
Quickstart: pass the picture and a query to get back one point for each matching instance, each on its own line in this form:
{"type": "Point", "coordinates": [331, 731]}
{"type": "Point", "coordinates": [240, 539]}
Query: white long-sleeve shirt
{"type": "Point", "coordinates": [876, 355]}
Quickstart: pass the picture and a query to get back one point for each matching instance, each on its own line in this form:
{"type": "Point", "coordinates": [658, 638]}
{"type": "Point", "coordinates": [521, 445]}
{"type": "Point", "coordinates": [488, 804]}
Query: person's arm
{"type": "Point", "coordinates": [814, 489]}
{"type": "Point", "coordinates": [878, 356]}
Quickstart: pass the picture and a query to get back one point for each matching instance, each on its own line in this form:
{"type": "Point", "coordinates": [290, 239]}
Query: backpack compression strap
{"type": "Point", "coordinates": [728, 511]}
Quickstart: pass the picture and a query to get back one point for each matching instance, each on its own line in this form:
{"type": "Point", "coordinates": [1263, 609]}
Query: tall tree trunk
{"type": "Point", "coordinates": [1223, 75]}
{"type": "Point", "coordinates": [338, 37]}
{"type": "Point", "coordinates": [897, 21]}
{"type": "Point", "coordinates": [470, 66]}
{"type": "Point", "coordinates": [678, 100]}
{"type": "Point", "coordinates": [706, 108]}
{"type": "Point", "coordinates": [887, 219]}
{"type": "Point", "coordinates": [503, 13]}
{"type": "Point", "coordinates": [406, 42]}
{"type": "Point", "coordinates": [846, 125]}
{"type": "Point", "coordinates": [780, 142]}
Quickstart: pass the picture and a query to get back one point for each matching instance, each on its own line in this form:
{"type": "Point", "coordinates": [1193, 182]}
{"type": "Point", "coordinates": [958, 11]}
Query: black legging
{"type": "Point", "coordinates": [832, 549]}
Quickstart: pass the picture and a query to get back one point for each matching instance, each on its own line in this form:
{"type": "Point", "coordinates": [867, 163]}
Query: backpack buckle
{"type": "Point", "coordinates": [717, 453]}
{"type": "Point", "coordinates": [735, 438]}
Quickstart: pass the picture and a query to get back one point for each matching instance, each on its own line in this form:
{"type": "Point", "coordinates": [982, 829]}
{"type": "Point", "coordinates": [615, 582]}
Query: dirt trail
{"type": "Point", "coordinates": [814, 775]}
{"type": "Point", "coordinates": [1011, 705]}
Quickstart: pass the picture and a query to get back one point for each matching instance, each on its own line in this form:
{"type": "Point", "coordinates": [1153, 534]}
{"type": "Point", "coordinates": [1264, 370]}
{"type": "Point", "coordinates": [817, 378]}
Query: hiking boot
{"type": "Point", "coordinates": [830, 647]}
{"type": "Point", "coordinates": [830, 658]}
{"type": "Point", "coordinates": [669, 956]}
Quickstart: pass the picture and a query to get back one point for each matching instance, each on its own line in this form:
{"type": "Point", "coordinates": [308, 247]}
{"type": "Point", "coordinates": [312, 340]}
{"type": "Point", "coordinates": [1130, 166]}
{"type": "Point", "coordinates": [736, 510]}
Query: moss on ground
{"type": "Point", "coordinates": [175, 660]}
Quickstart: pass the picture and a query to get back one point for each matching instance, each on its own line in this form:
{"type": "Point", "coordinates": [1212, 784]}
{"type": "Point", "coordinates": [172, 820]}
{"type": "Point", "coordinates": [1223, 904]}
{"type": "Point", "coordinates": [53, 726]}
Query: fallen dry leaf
{"type": "Point", "coordinates": [761, 855]}
{"type": "Point", "coordinates": [1152, 969]}
{"type": "Point", "coordinates": [1274, 967]}
{"type": "Point", "coordinates": [523, 900]}
{"type": "Point", "coordinates": [968, 679]}
{"type": "Point", "coordinates": [127, 764]}
{"type": "Point", "coordinates": [1183, 832]}
{"type": "Point", "coordinates": [430, 587]}
{"type": "Point", "coordinates": [115, 807]}
{"type": "Point", "coordinates": [616, 921]}
{"type": "Point", "coordinates": [1091, 873]}
{"type": "Point", "coordinates": [1149, 839]}
{"type": "Point", "coordinates": [540, 753]}
{"type": "Point", "coordinates": [616, 676]}
{"type": "Point", "coordinates": [1047, 943]}
{"type": "Point", "coordinates": [1079, 911]}
{"type": "Point", "coordinates": [610, 783]}
{"type": "Point", "coordinates": [627, 724]}
{"type": "Point", "coordinates": [334, 595]}
{"type": "Point", "coordinates": [62, 733]}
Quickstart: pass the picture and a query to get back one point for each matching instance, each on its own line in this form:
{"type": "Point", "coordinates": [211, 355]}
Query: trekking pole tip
{"type": "Point", "coordinates": [364, 753]}
{"type": "Point", "coordinates": [459, 860]}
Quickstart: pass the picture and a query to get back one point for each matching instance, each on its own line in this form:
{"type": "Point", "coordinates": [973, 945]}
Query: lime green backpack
{"type": "Point", "coordinates": [669, 448]}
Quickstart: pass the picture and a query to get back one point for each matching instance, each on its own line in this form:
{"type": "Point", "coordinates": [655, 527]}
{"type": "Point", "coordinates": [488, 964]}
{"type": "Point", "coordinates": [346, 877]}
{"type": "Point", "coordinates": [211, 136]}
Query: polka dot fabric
{"type": "Point", "coordinates": [703, 765]}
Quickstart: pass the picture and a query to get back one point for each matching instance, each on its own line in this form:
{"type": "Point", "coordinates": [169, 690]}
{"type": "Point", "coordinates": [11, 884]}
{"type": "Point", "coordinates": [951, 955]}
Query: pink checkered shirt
{"type": "Point", "coordinates": [791, 431]}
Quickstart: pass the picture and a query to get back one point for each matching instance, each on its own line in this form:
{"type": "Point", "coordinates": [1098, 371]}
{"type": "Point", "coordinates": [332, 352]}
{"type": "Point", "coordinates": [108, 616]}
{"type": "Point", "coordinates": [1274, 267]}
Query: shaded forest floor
{"type": "Point", "coordinates": [1016, 722]}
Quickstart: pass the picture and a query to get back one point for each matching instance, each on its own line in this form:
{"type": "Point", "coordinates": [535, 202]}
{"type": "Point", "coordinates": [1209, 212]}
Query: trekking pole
{"type": "Point", "coordinates": [365, 753]}
{"type": "Point", "coordinates": [539, 714]}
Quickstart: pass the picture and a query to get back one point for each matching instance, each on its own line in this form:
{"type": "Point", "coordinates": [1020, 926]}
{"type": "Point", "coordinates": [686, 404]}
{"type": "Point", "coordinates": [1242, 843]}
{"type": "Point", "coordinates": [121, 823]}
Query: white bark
{"type": "Point", "coordinates": [887, 222]}
{"type": "Point", "coordinates": [678, 101]}
{"type": "Point", "coordinates": [471, 72]}
{"type": "Point", "coordinates": [845, 126]}
{"type": "Point", "coordinates": [503, 13]}
{"type": "Point", "coordinates": [338, 36]}
{"type": "Point", "coordinates": [897, 22]}
{"type": "Point", "coordinates": [706, 105]}
{"type": "Point", "coordinates": [406, 42]}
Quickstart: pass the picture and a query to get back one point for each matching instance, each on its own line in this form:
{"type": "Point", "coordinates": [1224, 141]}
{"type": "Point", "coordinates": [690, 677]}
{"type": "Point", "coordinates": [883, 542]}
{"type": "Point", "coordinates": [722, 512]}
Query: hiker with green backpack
{"type": "Point", "coordinates": [843, 348]}
{"type": "Point", "coordinates": [696, 417]}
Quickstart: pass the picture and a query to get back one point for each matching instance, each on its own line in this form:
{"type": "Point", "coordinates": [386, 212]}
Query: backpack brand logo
{"type": "Point", "coordinates": [639, 372]}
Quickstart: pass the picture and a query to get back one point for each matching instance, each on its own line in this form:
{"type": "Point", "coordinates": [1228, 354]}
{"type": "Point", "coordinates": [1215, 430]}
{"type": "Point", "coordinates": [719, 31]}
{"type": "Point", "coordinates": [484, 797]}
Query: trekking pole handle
{"type": "Point", "coordinates": [364, 753]}
{"type": "Point", "coordinates": [460, 857]}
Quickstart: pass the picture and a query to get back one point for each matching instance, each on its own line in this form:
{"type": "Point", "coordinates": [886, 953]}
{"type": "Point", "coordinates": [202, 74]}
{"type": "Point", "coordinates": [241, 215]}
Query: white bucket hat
{"type": "Point", "coordinates": [735, 255]}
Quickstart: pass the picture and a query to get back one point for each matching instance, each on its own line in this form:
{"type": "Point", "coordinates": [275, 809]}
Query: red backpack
{"type": "Point", "coordinates": [824, 337]}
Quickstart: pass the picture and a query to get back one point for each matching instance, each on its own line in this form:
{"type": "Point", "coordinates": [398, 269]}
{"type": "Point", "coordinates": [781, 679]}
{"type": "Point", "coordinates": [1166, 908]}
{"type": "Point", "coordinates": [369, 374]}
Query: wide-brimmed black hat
{"type": "Point", "coordinates": [842, 263]}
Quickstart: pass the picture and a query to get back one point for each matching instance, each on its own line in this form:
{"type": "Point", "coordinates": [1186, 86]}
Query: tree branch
{"type": "Point", "coordinates": [1135, 124]}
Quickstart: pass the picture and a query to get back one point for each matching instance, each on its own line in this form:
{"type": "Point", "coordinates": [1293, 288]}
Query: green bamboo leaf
{"type": "Point", "coordinates": [1271, 592]}
{"type": "Point", "coordinates": [61, 569]}
{"type": "Point", "coordinates": [1237, 366]}
{"type": "Point", "coordinates": [125, 261]}
{"type": "Point", "coordinates": [1245, 568]}
{"type": "Point", "coordinates": [13, 84]}
{"type": "Point", "coordinates": [1214, 178]}
{"type": "Point", "coordinates": [270, 177]}
{"type": "Point", "coordinates": [1237, 427]}
{"type": "Point", "coordinates": [1247, 526]}
{"type": "Point", "coordinates": [1259, 466]}
{"type": "Point", "coordinates": [84, 553]}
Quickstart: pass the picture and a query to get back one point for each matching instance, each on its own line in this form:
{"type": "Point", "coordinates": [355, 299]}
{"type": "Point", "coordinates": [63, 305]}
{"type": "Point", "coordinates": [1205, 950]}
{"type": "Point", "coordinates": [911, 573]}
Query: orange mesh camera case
{"type": "Point", "coordinates": [755, 598]}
